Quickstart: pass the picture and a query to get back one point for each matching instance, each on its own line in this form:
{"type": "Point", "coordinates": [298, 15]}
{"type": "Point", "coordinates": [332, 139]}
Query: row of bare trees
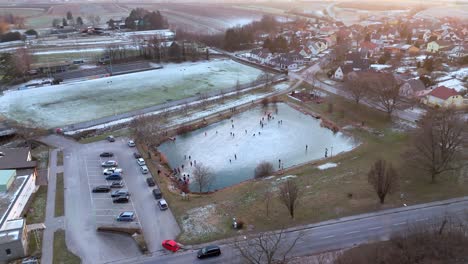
{"type": "Point", "coordinates": [436, 147]}
{"type": "Point", "coordinates": [382, 89]}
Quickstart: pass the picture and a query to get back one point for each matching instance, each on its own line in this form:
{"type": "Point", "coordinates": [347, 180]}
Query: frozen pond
{"type": "Point", "coordinates": [69, 103]}
{"type": "Point", "coordinates": [286, 141]}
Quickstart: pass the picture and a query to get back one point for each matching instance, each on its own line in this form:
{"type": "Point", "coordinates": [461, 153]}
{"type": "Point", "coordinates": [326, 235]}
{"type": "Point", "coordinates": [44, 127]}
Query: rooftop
{"type": "Point", "coordinates": [443, 92]}
{"type": "Point", "coordinates": [11, 230]}
{"type": "Point", "coordinates": [8, 197]}
{"type": "Point", "coordinates": [15, 158]}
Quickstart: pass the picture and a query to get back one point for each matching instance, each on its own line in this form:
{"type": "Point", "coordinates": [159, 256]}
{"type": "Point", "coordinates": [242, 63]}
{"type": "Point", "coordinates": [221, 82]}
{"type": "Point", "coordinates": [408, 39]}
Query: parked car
{"type": "Point", "coordinates": [126, 216]}
{"type": "Point", "coordinates": [157, 194]}
{"type": "Point", "coordinates": [170, 245]}
{"type": "Point", "coordinates": [109, 164]}
{"type": "Point", "coordinates": [114, 177]}
{"type": "Point", "coordinates": [117, 184]}
{"type": "Point", "coordinates": [141, 162]}
{"type": "Point", "coordinates": [101, 189]}
{"type": "Point", "coordinates": [150, 182]}
{"type": "Point", "coordinates": [110, 138]}
{"type": "Point", "coordinates": [136, 155]}
{"type": "Point", "coordinates": [144, 169]}
{"type": "Point", "coordinates": [111, 170]}
{"type": "Point", "coordinates": [118, 193]}
{"type": "Point", "coordinates": [106, 154]}
{"type": "Point", "coordinates": [162, 205]}
{"type": "Point", "coordinates": [209, 251]}
{"type": "Point", "coordinates": [131, 143]}
{"type": "Point", "coordinates": [120, 199]}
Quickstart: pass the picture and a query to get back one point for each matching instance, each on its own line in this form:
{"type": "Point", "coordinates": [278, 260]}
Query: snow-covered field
{"type": "Point", "coordinates": [59, 105]}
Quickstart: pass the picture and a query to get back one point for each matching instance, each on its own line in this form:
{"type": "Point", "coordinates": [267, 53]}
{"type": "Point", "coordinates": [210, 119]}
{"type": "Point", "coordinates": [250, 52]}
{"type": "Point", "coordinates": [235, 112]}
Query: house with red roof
{"type": "Point", "coordinates": [444, 97]}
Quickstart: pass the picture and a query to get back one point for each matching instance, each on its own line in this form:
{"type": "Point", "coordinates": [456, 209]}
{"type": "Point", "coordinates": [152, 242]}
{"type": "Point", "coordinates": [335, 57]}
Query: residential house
{"type": "Point", "coordinates": [458, 52]}
{"type": "Point", "coordinates": [17, 183]}
{"type": "Point", "coordinates": [342, 72]}
{"type": "Point", "coordinates": [261, 55]}
{"type": "Point", "coordinates": [411, 87]}
{"type": "Point", "coordinates": [368, 48]}
{"type": "Point", "coordinates": [444, 97]}
{"type": "Point", "coordinates": [288, 61]}
{"type": "Point", "coordinates": [433, 47]}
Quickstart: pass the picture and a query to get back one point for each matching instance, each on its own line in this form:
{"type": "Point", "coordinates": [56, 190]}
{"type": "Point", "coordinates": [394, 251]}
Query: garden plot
{"type": "Point", "coordinates": [59, 105]}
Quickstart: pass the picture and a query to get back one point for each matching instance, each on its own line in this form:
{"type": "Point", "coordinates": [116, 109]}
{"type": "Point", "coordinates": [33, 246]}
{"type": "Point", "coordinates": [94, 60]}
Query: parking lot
{"type": "Point", "coordinates": [105, 210]}
{"type": "Point", "coordinates": [156, 225]}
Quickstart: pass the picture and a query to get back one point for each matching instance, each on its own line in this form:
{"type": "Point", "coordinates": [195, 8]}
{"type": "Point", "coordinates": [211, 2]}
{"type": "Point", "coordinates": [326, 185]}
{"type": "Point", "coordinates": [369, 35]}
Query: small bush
{"type": "Point", "coordinates": [264, 169]}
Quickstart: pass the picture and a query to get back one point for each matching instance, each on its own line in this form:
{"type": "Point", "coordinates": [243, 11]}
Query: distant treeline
{"type": "Point", "coordinates": [142, 19]}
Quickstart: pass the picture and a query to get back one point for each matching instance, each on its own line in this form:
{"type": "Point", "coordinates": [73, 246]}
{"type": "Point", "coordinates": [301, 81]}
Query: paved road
{"type": "Point", "coordinates": [80, 223]}
{"type": "Point", "coordinates": [337, 234]}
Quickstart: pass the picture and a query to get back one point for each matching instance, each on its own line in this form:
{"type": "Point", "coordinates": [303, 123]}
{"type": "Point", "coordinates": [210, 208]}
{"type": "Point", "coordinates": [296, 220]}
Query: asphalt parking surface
{"type": "Point", "coordinates": [104, 209]}
{"type": "Point", "coordinates": [156, 225]}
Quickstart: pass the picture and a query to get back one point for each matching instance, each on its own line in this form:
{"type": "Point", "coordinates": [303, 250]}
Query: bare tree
{"type": "Point", "coordinates": [147, 130]}
{"type": "Point", "coordinates": [203, 97]}
{"type": "Point", "coordinates": [385, 91]}
{"type": "Point", "coordinates": [22, 60]}
{"type": "Point", "coordinates": [438, 141]}
{"type": "Point", "coordinates": [356, 87]}
{"type": "Point", "coordinates": [263, 169]}
{"type": "Point", "coordinates": [203, 177]}
{"type": "Point", "coordinates": [268, 248]}
{"type": "Point", "coordinates": [383, 178]}
{"type": "Point", "coordinates": [289, 195]}
{"type": "Point", "coordinates": [267, 196]}
{"type": "Point", "coordinates": [238, 87]}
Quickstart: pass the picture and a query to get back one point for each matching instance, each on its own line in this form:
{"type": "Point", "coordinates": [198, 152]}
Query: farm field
{"type": "Point", "coordinates": [55, 106]}
{"type": "Point", "coordinates": [203, 18]}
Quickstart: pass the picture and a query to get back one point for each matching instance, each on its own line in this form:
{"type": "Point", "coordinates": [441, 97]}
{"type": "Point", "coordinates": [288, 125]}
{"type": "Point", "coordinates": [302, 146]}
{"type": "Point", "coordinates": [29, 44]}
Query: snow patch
{"type": "Point", "coordinates": [327, 166]}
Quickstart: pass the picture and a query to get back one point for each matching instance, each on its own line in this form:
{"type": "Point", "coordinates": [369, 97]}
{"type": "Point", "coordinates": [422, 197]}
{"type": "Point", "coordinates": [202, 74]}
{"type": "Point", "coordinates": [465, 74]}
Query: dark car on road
{"type": "Point", "coordinates": [150, 182]}
{"type": "Point", "coordinates": [110, 138]}
{"type": "Point", "coordinates": [157, 194]}
{"type": "Point", "coordinates": [101, 189]}
{"type": "Point", "coordinates": [136, 155]}
{"type": "Point", "coordinates": [209, 251]}
{"type": "Point", "coordinates": [120, 199]}
{"type": "Point", "coordinates": [114, 177]}
{"type": "Point", "coordinates": [106, 154]}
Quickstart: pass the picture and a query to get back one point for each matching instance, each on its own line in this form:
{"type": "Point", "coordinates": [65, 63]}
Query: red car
{"type": "Point", "coordinates": [170, 245]}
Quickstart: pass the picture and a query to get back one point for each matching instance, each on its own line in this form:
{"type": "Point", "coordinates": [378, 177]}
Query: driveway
{"type": "Point", "coordinates": [80, 215]}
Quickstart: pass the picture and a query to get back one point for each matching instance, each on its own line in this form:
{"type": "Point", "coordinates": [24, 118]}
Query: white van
{"type": "Point", "coordinates": [144, 169]}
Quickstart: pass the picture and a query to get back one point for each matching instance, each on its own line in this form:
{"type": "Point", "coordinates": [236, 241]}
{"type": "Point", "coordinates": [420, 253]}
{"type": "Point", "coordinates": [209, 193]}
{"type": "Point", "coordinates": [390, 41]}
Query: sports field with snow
{"type": "Point", "coordinates": [59, 105]}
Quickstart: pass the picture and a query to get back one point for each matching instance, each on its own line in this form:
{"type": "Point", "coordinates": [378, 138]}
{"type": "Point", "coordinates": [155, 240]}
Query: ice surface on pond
{"type": "Point", "coordinates": [69, 103]}
{"type": "Point", "coordinates": [218, 148]}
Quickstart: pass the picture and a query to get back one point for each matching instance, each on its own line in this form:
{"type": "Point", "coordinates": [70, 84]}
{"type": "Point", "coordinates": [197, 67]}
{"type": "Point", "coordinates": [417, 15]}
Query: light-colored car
{"type": "Point", "coordinates": [144, 169]}
{"type": "Point", "coordinates": [131, 143]}
{"type": "Point", "coordinates": [111, 170]}
{"type": "Point", "coordinates": [163, 205]}
{"type": "Point", "coordinates": [141, 162]}
{"type": "Point", "coordinates": [109, 164]}
{"type": "Point", "coordinates": [118, 193]}
{"type": "Point", "coordinates": [126, 216]}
